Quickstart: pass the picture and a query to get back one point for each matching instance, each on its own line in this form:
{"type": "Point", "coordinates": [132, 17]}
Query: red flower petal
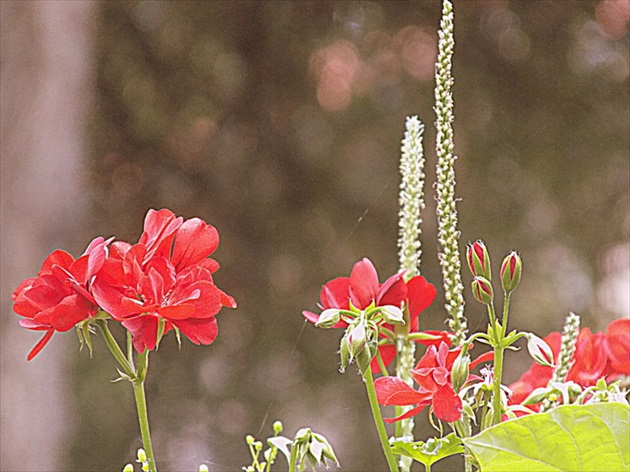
{"type": "Point", "coordinates": [58, 257]}
{"type": "Point", "coordinates": [336, 294]}
{"type": "Point", "coordinates": [143, 330]}
{"type": "Point", "coordinates": [393, 291]}
{"type": "Point", "coordinates": [618, 345]}
{"type": "Point", "coordinates": [70, 311]}
{"type": "Point", "coordinates": [195, 240]}
{"type": "Point", "coordinates": [226, 300]}
{"type": "Point", "coordinates": [410, 413]}
{"type": "Point", "coordinates": [590, 358]}
{"type": "Point", "coordinates": [447, 405]}
{"type": "Point", "coordinates": [115, 302]}
{"type": "Point", "coordinates": [485, 357]}
{"type": "Point", "coordinates": [363, 284]}
{"type": "Point", "coordinates": [177, 312]}
{"type": "Point", "coordinates": [159, 231]}
{"type": "Point", "coordinates": [421, 294]}
{"type": "Point", "coordinates": [40, 345]}
{"type": "Point", "coordinates": [199, 331]}
{"type": "Point", "coordinates": [393, 391]}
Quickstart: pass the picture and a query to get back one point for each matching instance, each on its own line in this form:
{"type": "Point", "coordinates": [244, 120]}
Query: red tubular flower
{"type": "Point", "coordinates": [166, 276]}
{"type": "Point", "coordinates": [433, 375]}
{"type": "Point", "coordinates": [362, 288]}
{"type": "Point", "coordinates": [59, 297]}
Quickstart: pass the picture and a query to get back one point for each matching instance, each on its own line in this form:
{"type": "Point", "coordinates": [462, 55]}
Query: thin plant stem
{"type": "Point", "coordinates": [141, 406]}
{"type": "Point", "coordinates": [293, 458]}
{"type": "Point", "coordinates": [381, 364]}
{"type": "Point", "coordinates": [506, 310]}
{"type": "Point", "coordinates": [114, 348]}
{"type": "Point", "coordinates": [137, 379]}
{"type": "Point", "coordinates": [378, 421]}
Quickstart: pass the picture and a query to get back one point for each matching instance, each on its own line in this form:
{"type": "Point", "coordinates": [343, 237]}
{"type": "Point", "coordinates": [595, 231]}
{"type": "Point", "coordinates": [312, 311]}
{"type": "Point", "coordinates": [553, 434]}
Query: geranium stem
{"type": "Point", "coordinates": [114, 348]}
{"type": "Point", "coordinates": [136, 377]}
{"type": "Point", "coordinates": [378, 421]}
{"type": "Point", "coordinates": [141, 406]}
{"type": "Point", "coordinates": [496, 386]}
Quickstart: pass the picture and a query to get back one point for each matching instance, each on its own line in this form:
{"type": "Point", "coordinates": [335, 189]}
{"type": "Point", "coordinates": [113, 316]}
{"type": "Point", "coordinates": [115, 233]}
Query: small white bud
{"type": "Point", "coordinates": [392, 314]}
{"type": "Point", "coordinates": [328, 318]}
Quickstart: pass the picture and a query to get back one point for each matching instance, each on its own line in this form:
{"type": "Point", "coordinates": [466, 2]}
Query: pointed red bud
{"type": "Point", "coordinates": [478, 259]}
{"type": "Point", "coordinates": [482, 290]}
{"type": "Point", "coordinates": [511, 271]}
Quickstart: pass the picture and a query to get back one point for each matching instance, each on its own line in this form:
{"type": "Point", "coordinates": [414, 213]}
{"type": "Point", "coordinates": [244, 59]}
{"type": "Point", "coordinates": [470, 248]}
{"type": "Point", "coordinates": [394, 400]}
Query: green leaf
{"type": "Point", "coordinates": [430, 451]}
{"type": "Point", "coordinates": [571, 438]}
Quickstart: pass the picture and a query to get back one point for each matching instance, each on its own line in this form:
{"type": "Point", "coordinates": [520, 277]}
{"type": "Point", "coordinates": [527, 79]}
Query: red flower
{"type": "Point", "coordinates": [166, 276]}
{"type": "Point", "coordinates": [596, 355]}
{"type": "Point", "coordinates": [618, 346]}
{"type": "Point", "coordinates": [59, 297]}
{"type": "Point", "coordinates": [433, 375]}
{"type": "Point", "coordinates": [362, 288]}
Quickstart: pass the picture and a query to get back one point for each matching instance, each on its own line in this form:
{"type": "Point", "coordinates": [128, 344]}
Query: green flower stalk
{"type": "Point", "coordinates": [411, 197]}
{"type": "Point", "coordinates": [567, 349]}
{"type": "Point", "coordinates": [448, 235]}
{"type": "Point", "coordinates": [411, 201]}
{"type": "Point", "coordinates": [570, 334]}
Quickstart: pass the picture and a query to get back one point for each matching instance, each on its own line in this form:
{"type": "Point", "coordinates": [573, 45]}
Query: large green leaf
{"type": "Point", "coordinates": [430, 451]}
{"type": "Point", "coordinates": [568, 438]}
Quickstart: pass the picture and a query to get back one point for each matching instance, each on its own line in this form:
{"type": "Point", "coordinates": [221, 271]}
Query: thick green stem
{"type": "Point", "coordinates": [497, 408]}
{"type": "Point", "coordinates": [496, 386]}
{"type": "Point", "coordinates": [141, 406]}
{"type": "Point", "coordinates": [378, 421]}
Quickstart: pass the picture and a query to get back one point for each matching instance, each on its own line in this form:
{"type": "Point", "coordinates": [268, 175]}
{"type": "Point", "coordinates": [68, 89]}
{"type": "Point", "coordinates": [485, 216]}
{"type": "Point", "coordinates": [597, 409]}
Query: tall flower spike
{"type": "Point", "coordinates": [411, 197]}
{"type": "Point", "coordinates": [411, 201]}
{"type": "Point", "coordinates": [448, 235]}
{"type": "Point", "coordinates": [567, 347]}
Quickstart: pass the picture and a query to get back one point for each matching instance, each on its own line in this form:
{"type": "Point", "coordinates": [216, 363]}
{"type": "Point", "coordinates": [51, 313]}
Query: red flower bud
{"type": "Point", "coordinates": [482, 290]}
{"type": "Point", "coordinates": [479, 259]}
{"type": "Point", "coordinates": [511, 271]}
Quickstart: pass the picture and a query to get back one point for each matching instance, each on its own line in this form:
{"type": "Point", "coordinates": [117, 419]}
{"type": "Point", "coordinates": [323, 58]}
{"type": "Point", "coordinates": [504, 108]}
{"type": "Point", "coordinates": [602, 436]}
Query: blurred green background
{"type": "Point", "coordinates": [280, 124]}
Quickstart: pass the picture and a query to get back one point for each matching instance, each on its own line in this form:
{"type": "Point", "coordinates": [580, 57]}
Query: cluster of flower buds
{"type": "Point", "coordinates": [478, 259]}
{"type": "Point", "coordinates": [360, 343]}
{"type": "Point", "coordinates": [306, 446]}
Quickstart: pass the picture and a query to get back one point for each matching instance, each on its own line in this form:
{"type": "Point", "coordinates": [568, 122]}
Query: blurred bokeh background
{"type": "Point", "coordinates": [280, 124]}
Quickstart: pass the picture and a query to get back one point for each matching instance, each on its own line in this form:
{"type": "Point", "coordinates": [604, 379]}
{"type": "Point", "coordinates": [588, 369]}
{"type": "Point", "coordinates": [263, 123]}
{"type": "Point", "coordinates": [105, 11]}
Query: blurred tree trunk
{"type": "Point", "coordinates": [45, 89]}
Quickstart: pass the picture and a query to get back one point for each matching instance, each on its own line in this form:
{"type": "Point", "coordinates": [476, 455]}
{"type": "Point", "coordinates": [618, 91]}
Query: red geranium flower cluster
{"type": "Point", "coordinates": [596, 355]}
{"type": "Point", "coordinates": [362, 288]}
{"type": "Point", "coordinates": [165, 278]}
{"type": "Point", "coordinates": [60, 296]}
{"type": "Point", "coordinates": [433, 375]}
